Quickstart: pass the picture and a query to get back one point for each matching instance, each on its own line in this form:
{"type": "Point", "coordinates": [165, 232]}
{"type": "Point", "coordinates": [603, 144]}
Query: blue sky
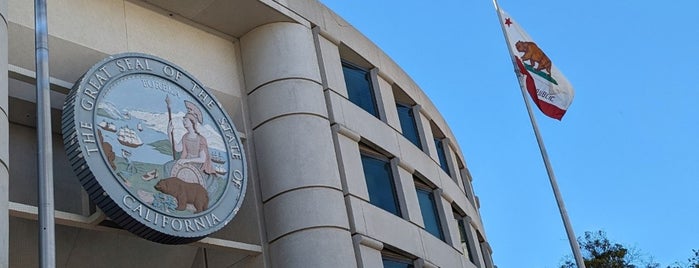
{"type": "Point", "coordinates": [626, 154]}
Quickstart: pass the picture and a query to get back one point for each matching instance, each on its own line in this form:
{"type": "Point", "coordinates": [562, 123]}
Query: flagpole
{"type": "Point", "coordinates": [549, 170]}
{"type": "Point", "coordinates": [47, 243]}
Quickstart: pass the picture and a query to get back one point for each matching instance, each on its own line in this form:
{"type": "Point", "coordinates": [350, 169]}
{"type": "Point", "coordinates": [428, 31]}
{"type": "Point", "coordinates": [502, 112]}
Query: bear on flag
{"type": "Point", "coordinates": [547, 86]}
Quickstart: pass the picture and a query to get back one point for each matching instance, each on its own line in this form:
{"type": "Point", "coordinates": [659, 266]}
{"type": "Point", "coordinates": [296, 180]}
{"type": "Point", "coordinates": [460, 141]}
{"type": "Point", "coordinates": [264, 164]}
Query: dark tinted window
{"type": "Point", "coordinates": [430, 216]}
{"type": "Point", "coordinates": [408, 124]}
{"type": "Point", "coordinates": [442, 155]}
{"type": "Point", "coordinates": [390, 263]}
{"type": "Point", "coordinates": [379, 181]}
{"type": "Point", "coordinates": [359, 89]}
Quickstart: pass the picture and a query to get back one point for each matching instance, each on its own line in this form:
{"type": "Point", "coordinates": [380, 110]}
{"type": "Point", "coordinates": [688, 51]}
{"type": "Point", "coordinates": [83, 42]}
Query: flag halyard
{"type": "Point", "coordinates": [546, 85]}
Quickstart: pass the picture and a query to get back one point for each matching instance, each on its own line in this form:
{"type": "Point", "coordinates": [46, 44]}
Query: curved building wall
{"type": "Point", "coordinates": [298, 174]}
{"type": "Point", "coordinates": [278, 68]}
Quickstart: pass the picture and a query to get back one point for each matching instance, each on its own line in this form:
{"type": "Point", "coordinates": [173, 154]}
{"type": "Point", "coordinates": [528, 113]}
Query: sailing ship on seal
{"type": "Point", "coordinates": [128, 137]}
{"type": "Point", "coordinates": [108, 126]}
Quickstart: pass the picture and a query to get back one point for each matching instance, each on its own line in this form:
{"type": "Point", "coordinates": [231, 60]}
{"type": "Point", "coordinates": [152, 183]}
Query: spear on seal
{"type": "Point", "coordinates": [169, 115]}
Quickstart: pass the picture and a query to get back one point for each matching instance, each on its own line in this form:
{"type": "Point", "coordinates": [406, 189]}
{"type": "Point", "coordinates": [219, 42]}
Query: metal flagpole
{"type": "Point", "coordinates": [47, 243]}
{"type": "Point", "coordinates": [552, 177]}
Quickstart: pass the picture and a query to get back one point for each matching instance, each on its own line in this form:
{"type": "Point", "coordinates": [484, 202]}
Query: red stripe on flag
{"type": "Point", "coordinates": [548, 109]}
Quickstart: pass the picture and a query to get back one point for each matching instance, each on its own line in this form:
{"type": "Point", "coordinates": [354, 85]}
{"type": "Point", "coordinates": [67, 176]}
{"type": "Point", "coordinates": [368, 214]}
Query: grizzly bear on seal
{"type": "Point", "coordinates": [185, 193]}
{"type": "Point", "coordinates": [108, 151]}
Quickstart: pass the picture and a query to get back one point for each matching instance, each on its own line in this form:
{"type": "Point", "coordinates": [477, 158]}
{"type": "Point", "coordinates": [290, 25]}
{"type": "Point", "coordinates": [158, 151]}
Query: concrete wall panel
{"type": "Point", "coordinates": [410, 194]}
{"type": "Point", "coordinates": [476, 247]}
{"type": "Point", "coordinates": [286, 97]}
{"type": "Point", "coordinates": [305, 208]}
{"type": "Point", "coordinates": [364, 124]}
{"type": "Point", "coordinates": [389, 102]}
{"type": "Point", "coordinates": [438, 252]}
{"type": "Point", "coordinates": [244, 227]}
{"type": "Point", "coordinates": [356, 214]}
{"type": "Point", "coordinates": [211, 59]}
{"type": "Point", "coordinates": [451, 189]}
{"type": "Point", "coordinates": [78, 248]}
{"type": "Point", "coordinates": [333, 66]}
{"type": "Point", "coordinates": [278, 51]}
{"type": "Point", "coordinates": [100, 24]}
{"type": "Point", "coordinates": [91, 249]}
{"type": "Point", "coordinates": [3, 64]}
{"type": "Point", "coordinates": [417, 159]}
{"type": "Point", "coordinates": [67, 189]}
{"type": "Point", "coordinates": [389, 229]}
{"type": "Point", "coordinates": [111, 27]}
{"type": "Point", "coordinates": [431, 147]}
{"type": "Point", "coordinates": [295, 151]}
{"type": "Point", "coordinates": [4, 138]}
{"type": "Point", "coordinates": [210, 257]}
{"type": "Point", "coordinates": [349, 160]}
{"type": "Point", "coordinates": [368, 251]}
{"type": "Point", "coordinates": [24, 243]}
{"type": "Point", "coordinates": [67, 60]}
{"type": "Point", "coordinates": [335, 109]}
{"type": "Point", "coordinates": [327, 247]}
{"type": "Point", "coordinates": [4, 217]}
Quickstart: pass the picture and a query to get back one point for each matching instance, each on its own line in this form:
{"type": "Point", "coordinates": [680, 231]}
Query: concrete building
{"type": "Point", "coordinates": [350, 164]}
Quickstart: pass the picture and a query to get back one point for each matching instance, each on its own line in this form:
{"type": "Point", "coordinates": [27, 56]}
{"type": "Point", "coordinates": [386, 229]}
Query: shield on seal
{"type": "Point", "coordinates": [187, 173]}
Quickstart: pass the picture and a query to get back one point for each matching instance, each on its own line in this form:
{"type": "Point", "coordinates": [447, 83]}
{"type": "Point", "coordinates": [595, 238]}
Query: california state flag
{"type": "Point", "coordinates": [547, 86]}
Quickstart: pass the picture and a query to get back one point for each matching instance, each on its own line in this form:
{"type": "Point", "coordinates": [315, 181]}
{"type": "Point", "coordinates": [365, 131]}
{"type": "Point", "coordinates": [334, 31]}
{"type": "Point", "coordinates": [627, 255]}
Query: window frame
{"type": "Point", "coordinates": [371, 82]}
{"type": "Point", "coordinates": [466, 235]}
{"type": "Point", "coordinates": [432, 194]}
{"type": "Point", "coordinates": [413, 110]}
{"type": "Point", "coordinates": [392, 255]}
{"type": "Point", "coordinates": [443, 153]}
{"type": "Point", "coordinates": [365, 152]}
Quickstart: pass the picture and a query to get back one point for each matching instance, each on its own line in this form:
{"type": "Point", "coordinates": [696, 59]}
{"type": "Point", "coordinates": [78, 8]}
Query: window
{"type": "Point", "coordinates": [408, 125]}
{"type": "Point", "coordinates": [428, 208]}
{"type": "Point", "coordinates": [391, 263]}
{"type": "Point", "coordinates": [442, 154]}
{"type": "Point", "coordinates": [465, 244]}
{"type": "Point", "coordinates": [391, 259]}
{"type": "Point", "coordinates": [441, 146]}
{"type": "Point", "coordinates": [379, 181]}
{"type": "Point", "coordinates": [359, 89]}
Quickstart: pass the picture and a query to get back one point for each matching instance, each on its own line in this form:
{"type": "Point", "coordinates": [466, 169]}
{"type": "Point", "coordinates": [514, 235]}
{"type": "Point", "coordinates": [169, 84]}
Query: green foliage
{"type": "Point", "coordinates": [692, 262]}
{"type": "Point", "coordinates": [602, 253]}
{"type": "Point", "coordinates": [599, 252]}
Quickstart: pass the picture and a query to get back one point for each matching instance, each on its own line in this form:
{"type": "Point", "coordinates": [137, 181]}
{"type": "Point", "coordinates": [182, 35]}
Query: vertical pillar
{"type": "Point", "coordinates": [306, 223]}
{"type": "Point", "coordinates": [4, 141]}
{"type": "Point", "coordinates": [473, 243]}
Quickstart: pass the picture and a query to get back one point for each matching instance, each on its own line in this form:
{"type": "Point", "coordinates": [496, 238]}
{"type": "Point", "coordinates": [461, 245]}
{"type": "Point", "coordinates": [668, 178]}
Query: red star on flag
{"type": "Point", "coordinates": [508, 22]}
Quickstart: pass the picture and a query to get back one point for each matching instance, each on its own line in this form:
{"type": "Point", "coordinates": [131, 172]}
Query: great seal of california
{"type": "Point", "coordinates": [154, 149]}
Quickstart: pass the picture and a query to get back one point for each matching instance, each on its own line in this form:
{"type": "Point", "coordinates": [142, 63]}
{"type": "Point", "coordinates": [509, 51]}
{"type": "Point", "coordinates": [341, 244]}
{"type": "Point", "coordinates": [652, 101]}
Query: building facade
{"type": "Point", "coordinates": [349, 163]}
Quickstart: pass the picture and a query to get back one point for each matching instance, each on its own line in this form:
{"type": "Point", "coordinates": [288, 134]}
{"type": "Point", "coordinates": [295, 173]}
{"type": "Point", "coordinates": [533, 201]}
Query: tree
{"type": "Point", "coordinates": [599, 252]}
{"type": "Point", "coordinates": [693, 262]}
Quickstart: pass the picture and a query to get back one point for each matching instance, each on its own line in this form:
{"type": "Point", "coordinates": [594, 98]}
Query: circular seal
{"type": "Point", "coordinates": [154, 149]}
